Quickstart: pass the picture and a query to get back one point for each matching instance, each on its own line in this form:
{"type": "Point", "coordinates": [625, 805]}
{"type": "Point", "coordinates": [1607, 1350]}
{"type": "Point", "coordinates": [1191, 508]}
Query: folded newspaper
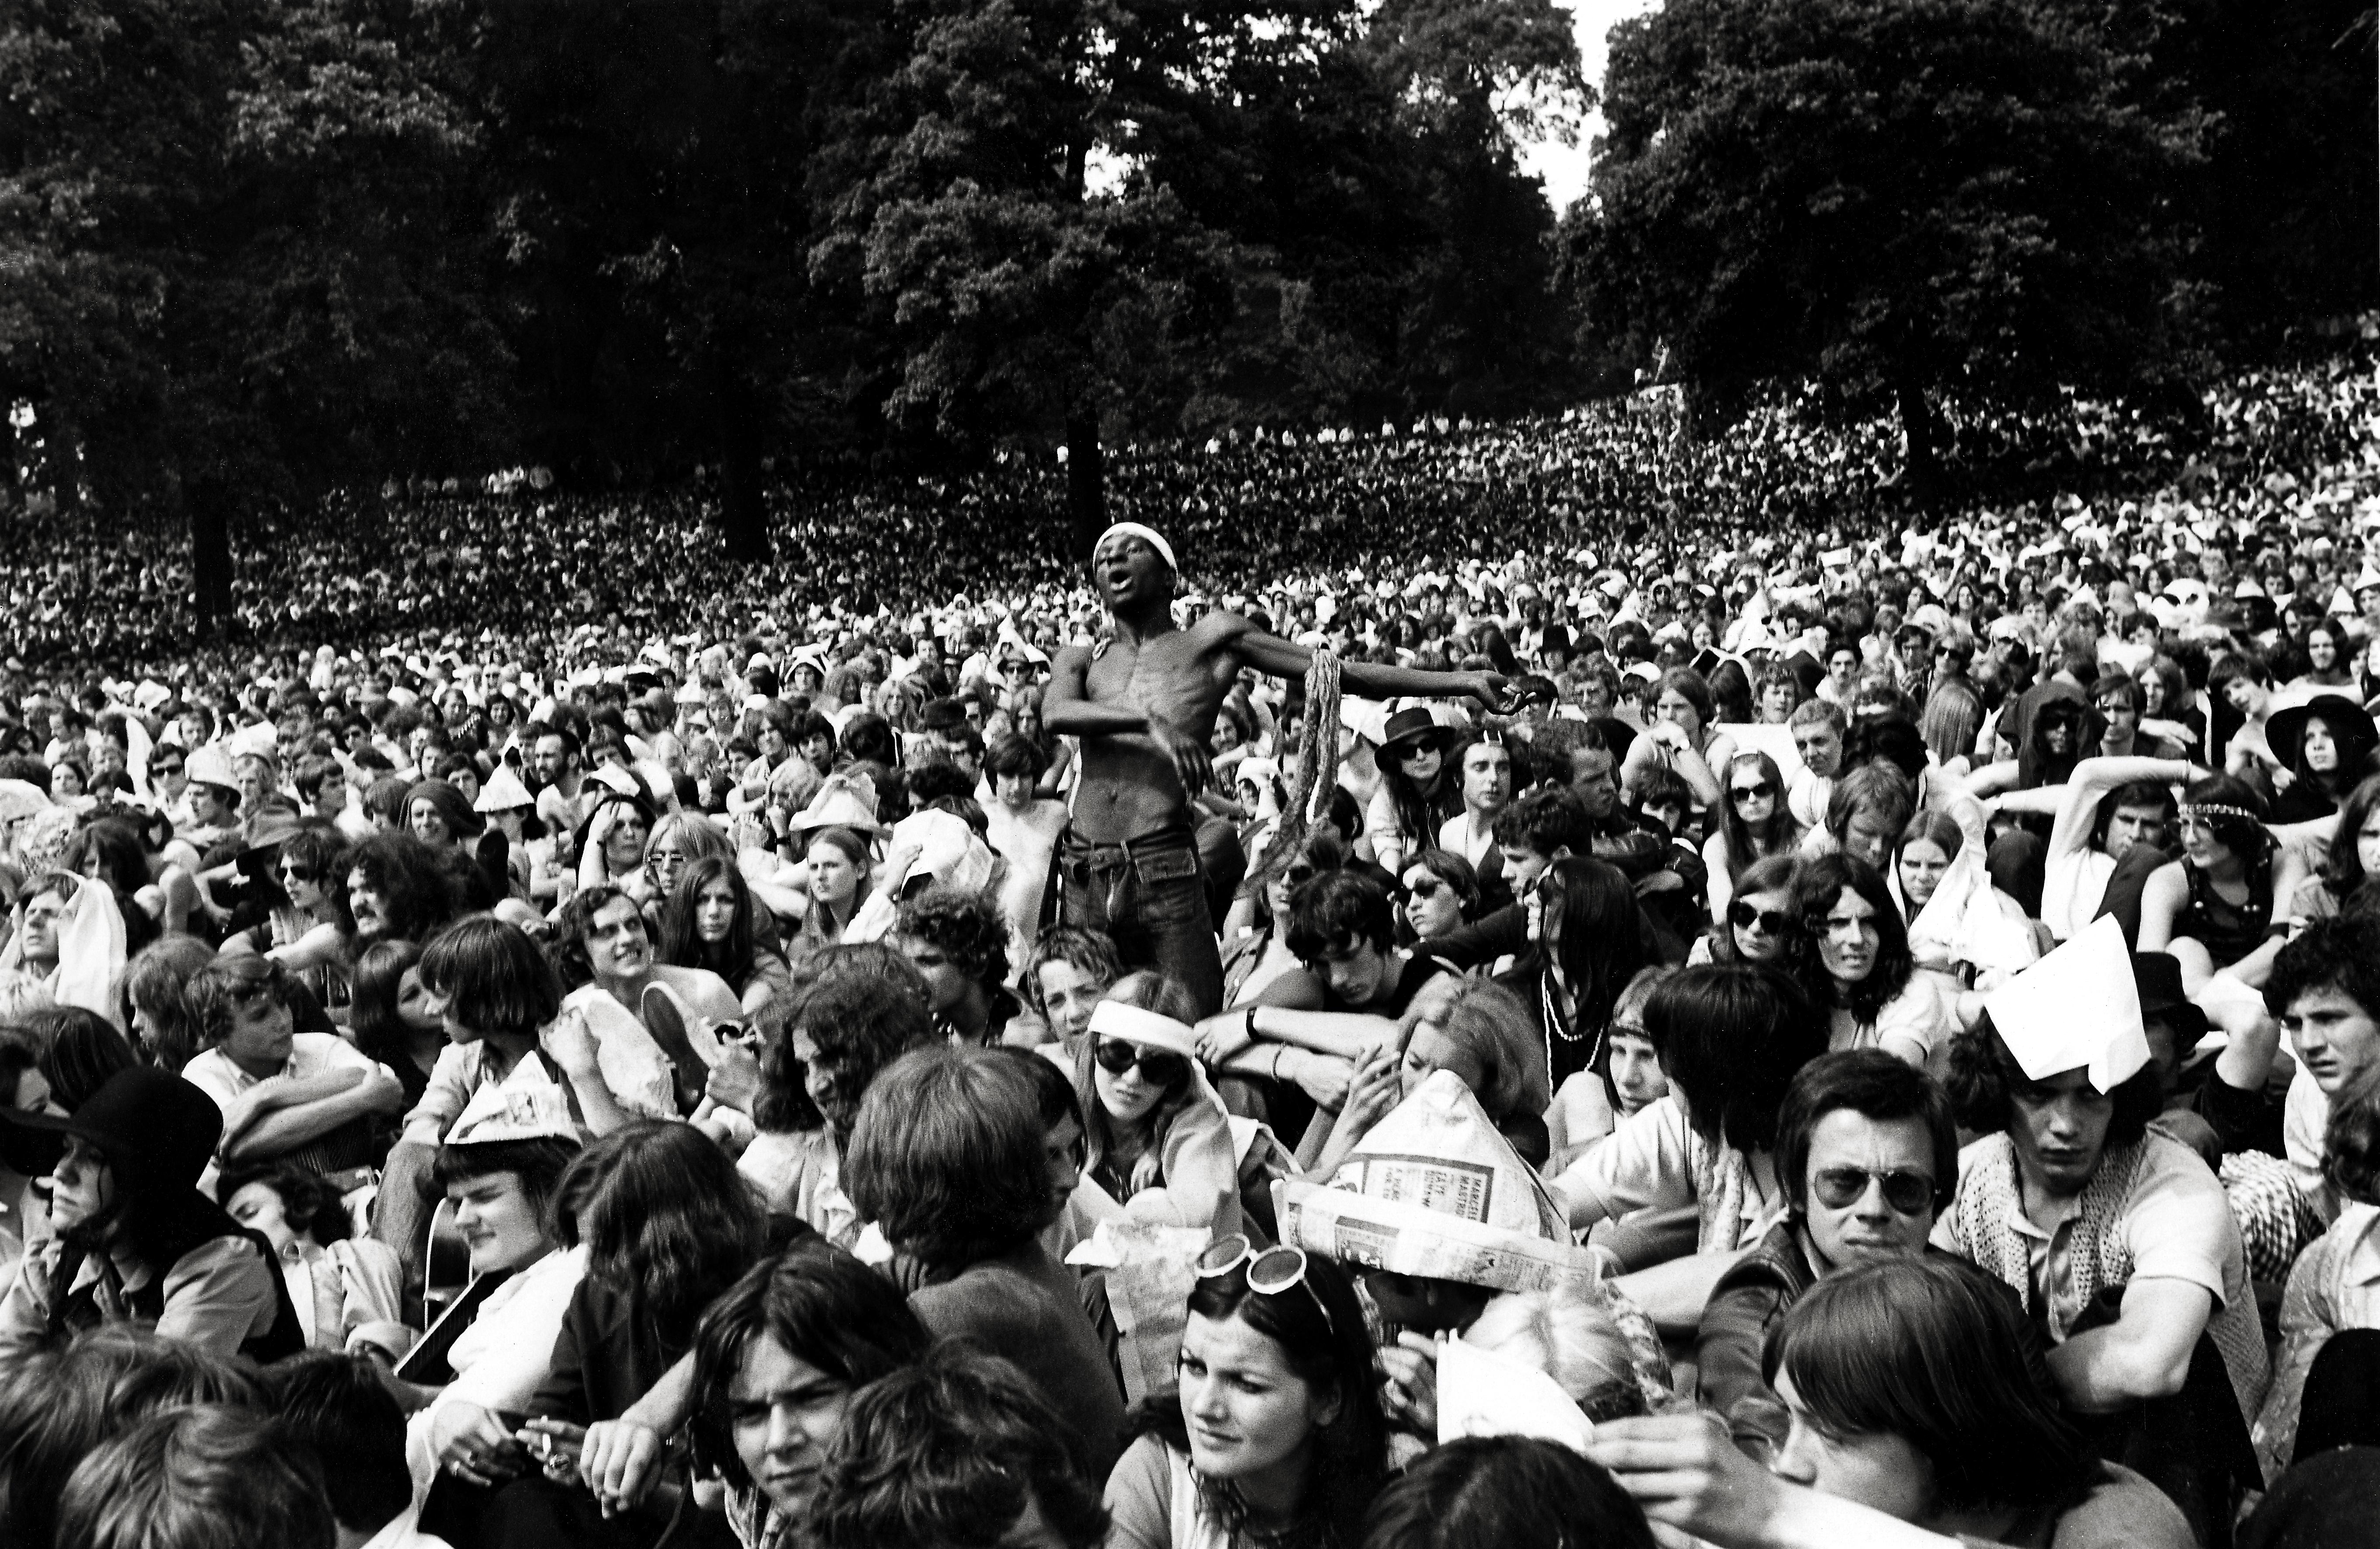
{"type": "Point", "coordinates": [1437, 1150]}
{"type": "Point", "coordinates": [1411, 1240]}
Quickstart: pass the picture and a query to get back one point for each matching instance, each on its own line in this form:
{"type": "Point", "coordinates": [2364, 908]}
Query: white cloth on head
{"type": "Point", "coordinates": [91, 950]}
{"type": "Point", "coordinates": [1146, 534]}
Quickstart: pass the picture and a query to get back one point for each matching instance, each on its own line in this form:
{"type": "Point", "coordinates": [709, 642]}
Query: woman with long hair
{"type": "Point", "coordinates": [1760, 925]}
{"type": "Point", "coordinates": [1586, 943]}
{"type": "Point", "coordinates": [148, 1000]}
{"type": "Point", "coordinates": [303, 933]}
{"type": "Point", "coordinates": [1864, 971]}
{"type": "Point", "coordinates": [710, 921]}
{"type": "Point", "coordinates": [846, 906]}
{"type": "Point", "coordinates": [1058, 753]}
{"type": "Point", "coordinates": [2063, 732]}
{"type": "Point", "coordinates": [1275, 1435]}
{"type": "Point", "coordinates": [1253, 959]}
{"type": "Point", "coordinates": [393, 1020]}
{"type": "Point", "coordinates": [2353, 860]}
{"type": "Point", "coordinates": [1482, 1035]}
{"type": "Point", "coordinates": [1419, 789]}
{"type": "Point", "coordinates": [680, 840]}
{"type": "Point", "coordinates": [2168, 708]}
{"type": "Point", "coordinates": [2322, 749]}
{"type": "Point", "coordinates": [2214, 908]}
{"type": "Point", "coordinates": [1757, 825]}
{"type": "Point", "coordinates": [1155, 1135]}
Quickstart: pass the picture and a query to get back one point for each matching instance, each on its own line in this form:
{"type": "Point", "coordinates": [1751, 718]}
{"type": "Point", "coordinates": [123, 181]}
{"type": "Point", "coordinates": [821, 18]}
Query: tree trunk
{"type": "Point", "coordinates": [743, 511]}
{"type": "Point", "coordinates": [1919, 431]}
{"type": "Point", "coordinates": [208, 504]}
{"type": "Point", "coordinates": [1086, 487]}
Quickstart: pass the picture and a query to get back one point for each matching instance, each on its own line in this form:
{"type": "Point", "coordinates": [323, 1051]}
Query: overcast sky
{"type": "Point", "coordinates": [1564, 167]}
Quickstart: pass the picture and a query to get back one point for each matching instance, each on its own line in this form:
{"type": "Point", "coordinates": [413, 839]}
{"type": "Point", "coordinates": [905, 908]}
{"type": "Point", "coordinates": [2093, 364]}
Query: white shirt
{"type": "Point", "coordinates": [310, 1054]}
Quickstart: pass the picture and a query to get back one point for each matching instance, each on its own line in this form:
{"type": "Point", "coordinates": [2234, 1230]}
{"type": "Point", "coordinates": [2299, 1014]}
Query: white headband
{"type": "Point", "coordinates": [1148, 1029]}
{"type": "Point", "coordinates": [1146, 534]}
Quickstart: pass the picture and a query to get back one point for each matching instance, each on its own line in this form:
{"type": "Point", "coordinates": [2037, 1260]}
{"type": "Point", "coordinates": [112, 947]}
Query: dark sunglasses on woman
{"type": "Point", "coordinates": [1742, 915]}
{"type": "Point", "coordinates": [1157, 1067]}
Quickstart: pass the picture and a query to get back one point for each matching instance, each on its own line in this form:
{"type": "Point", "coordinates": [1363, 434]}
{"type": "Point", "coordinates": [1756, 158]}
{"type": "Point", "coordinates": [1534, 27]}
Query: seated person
{"type": "Point", "coordinates": [341, 1287]}
{"type": "Point", "coordinates": [947, 1160]}
{"type": "Point", "coordinates": [1920, 1420]}
{"type": "Point", "coordinates": [2117, 1239]}
{"type": "Point", "coordinates": [1866, 1152]}
{"type": "Point", "coordinates": [337, 1405]}
{"type": "Point", "coordinates": [957, 942]}
{"type": "Point", "coordinates": [1481, 1033]}
{"type": "Point", "coordinates": [955, 1448]}
{"type": "Point", "coordinates": [651, 1022]}
{"type": "Point", "coordinates": [2330, 1315]}
{"type": "Point", "coordinates": [502, 1167]}
{"type": "Point", "coordinates": [310, 1097]}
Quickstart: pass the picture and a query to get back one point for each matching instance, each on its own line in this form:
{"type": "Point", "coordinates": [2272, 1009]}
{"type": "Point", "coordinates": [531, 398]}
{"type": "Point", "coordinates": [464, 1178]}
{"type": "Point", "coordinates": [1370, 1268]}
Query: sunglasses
{"type": "Point", "coordinates": [165, 768]}
{"type": "Point", "coordinates": [1270, 1271]}
{"type": "Point", "coordinates": [1909, 1194]}
{"type": "Point", "coordinates": [1157, 1067]}
{"type": "Point", "coordinates": [1298, 876]}
{"type": "Point", "coordinates": [1742, 915]}
{"type": "Point", "coordinates": [1425, 890]}
{"type": "Point", "coordinates": [301, 874]}
{"type": "Point", "coordinates": [1747, 793]}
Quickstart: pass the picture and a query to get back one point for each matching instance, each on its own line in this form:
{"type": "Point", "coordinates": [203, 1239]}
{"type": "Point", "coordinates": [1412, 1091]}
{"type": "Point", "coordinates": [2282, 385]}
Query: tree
{"type": "Point", "coordinates": [232, 268]}
{"type": "Point", "coordinates": [1974, 199]}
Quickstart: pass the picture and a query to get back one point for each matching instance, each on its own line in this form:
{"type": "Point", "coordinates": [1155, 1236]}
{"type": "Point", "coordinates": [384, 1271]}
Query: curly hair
{"type": "Point", "coordinates": [1985, 1077]}
{"type": "Point", "coordinates": [1338, 911]}
{"type": "Point", "coordinates": [856, 1023]}
{"type": "Point", "coordinates": [965, 926]}
{"type": "Point", "coordinates": [405, 872]}
{"type": "Point", "coordinates": [949, 1452]}
{"type": "Point", "coordinates": [1092, 953]}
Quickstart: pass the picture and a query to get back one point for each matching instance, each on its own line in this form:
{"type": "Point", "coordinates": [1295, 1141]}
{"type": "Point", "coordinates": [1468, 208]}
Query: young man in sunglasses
{"type": "Point", "coordinates": [1866, 1152]}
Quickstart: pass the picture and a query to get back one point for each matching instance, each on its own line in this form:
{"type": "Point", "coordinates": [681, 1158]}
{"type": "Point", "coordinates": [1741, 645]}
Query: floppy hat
{"type": "Point", "coordinates": [1416, 727]}
{"type": "Point", "coordinates": [157, 1131]}
{"type": "Point", "coordinates": [2285, 732]}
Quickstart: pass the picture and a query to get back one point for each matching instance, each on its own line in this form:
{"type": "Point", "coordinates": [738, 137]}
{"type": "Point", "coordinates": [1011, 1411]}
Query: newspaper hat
{"type": "Point", "coordinates": [503, 793]}
{"type": "Point", "coordinates": [210, 766]}
{"type": "Point", "coordinates": [614, 778]}
{"type": "Point", "coordinates": [507, 1112]}
{"type": "Point", "coordinates": [846, 801]}
{"type": "Point", "coordinates": [1113, 1019]}
{"type": "Point", "coordinates": [947, 849]}
{"type": "Point", "coordinates": [2077, 1009]}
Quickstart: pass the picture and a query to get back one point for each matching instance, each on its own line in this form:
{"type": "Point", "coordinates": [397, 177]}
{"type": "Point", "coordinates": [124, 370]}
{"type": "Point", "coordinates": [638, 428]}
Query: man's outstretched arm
{"type": "Point", "coordinates": [1368, 680]}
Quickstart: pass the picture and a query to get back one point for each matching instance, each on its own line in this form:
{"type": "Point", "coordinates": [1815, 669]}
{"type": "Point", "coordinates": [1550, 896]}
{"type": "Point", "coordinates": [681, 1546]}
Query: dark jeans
{"type": "Point", "coordinates": [1149, 895]}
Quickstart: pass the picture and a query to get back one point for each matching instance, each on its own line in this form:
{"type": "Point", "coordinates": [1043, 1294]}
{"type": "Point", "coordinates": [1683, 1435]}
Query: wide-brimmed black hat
{"type": "Point", "coordinates": [1414, 727]}
{"type": "Point", "coordinates": [2348, 720]}
{"type": "Point", "coordinates": [157, 1131]}
{"type": "Point", "coordinates": [2157, 977]}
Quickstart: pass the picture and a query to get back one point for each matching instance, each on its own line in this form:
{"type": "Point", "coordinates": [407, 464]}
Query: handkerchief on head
{"type": "Point", "coordinates": [507, 1112]}
{"type": "Point", "coordinates": [2077, 1009]}
{"type": "Point", "coordinates": [1481, 1393]}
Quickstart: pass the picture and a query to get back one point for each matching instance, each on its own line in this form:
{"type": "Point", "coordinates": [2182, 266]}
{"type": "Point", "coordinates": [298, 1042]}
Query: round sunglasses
{"type": "Point", "coordinates": [1157, 1067]}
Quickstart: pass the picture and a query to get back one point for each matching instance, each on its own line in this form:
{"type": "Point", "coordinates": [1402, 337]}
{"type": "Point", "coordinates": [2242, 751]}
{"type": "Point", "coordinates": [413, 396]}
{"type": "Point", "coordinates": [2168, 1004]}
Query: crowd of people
{"type": "Point", "coordinates": [1460, 988]}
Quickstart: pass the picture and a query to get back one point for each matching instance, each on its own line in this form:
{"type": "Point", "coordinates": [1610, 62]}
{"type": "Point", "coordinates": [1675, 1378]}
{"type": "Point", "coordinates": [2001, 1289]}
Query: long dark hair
{"type": "Point", "coordinates": [2343, 872]}
{"type": "Point", "coordinates": [374, 990]}
{"type": "Point", "coordinates": [2036, 765]}
{"type": "Point", "coordinates": [667, 1220]}
{"type": "Point", "coordinates": [1350, 1459]}
{"type": "Point", "coordinates": [1778, 836]}
{"type": "Point", "coordinates": [1816, 887]}
{"type": "Point", "coordinates": [1933, 1349]}
{"type": "Point", "coordinates": [1420, 816]}
{"type": "Point", "coordinates": [1593, 936]}
{"type": "Point", "coordinates": [682, 945]}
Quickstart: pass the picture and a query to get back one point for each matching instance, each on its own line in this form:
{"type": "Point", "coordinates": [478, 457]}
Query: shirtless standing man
{"type": "Point", "coordinates": [1144, 704]}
